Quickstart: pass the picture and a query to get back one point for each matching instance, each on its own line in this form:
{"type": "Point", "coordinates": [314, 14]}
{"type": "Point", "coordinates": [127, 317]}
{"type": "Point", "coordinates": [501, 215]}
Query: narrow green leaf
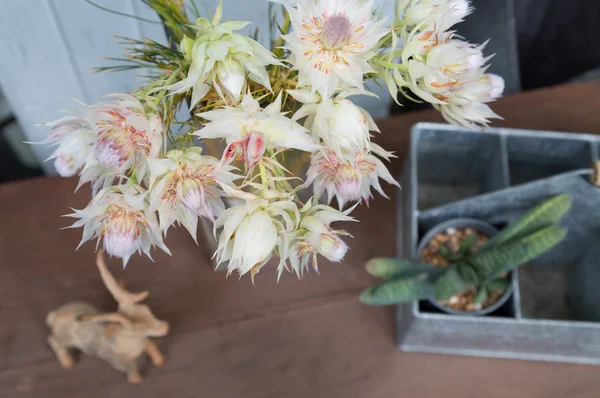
{"type": "Point", "coordinates": [218, 14]}
{"type": "Point", "coordinates": [397, 291]}
{"type": "Point", "coordinates": [496, 261]}
{"type": "Point", "coordinates": [389, 268]}
{"type": "Point", "coordinates": [481, 296]}
{"type": "Point", "coordinates": [541, 216]}
{"type": "Point", "coordinates": [121, 13]}
{"type": "Point", "coordinates": [498, 284]}
{"type": "Point", "coordinates": [449, 283]}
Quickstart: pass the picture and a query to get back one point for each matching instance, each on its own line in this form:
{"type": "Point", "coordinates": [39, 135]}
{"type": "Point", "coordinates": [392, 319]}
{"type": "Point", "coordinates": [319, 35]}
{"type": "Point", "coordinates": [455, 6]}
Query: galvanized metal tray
{"type": "Point", "coordinates": [496, 176]}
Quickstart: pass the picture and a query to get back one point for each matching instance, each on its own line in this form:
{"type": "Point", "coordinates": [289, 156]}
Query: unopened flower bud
{"type": "Point", "coordinates": [332, 247]}
{"type": "Point", "coordinates": [254, 148]}
{"type": "Point", "coordinates": [186, 47]}
{"type": "Point", "coordinates": [231, 79]}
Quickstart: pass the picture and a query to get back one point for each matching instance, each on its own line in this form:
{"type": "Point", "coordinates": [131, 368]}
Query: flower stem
{"type": "Point", "coordinates": [263, 174]}
{"type": "Point", "coordinates": [391, 65]}
{"type": "Point", "coordinates": [284, 28]}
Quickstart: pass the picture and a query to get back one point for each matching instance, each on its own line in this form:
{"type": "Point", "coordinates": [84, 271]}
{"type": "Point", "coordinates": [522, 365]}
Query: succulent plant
{"type": "Point", "coordinates": [533, 234]}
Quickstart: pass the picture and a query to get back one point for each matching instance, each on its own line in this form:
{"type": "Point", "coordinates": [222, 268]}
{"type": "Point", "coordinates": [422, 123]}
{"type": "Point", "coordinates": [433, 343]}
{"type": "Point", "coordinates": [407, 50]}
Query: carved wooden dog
{"type": "Point", "coordinates": [119, 337]}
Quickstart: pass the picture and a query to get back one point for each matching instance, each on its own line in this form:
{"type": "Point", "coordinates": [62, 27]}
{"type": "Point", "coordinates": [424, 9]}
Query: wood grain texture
{"type": "Point", "coordinates": [231, 339]}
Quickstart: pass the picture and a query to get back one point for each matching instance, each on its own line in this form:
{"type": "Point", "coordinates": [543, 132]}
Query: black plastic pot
{"type": "Point", "coordinates": [461, 223]}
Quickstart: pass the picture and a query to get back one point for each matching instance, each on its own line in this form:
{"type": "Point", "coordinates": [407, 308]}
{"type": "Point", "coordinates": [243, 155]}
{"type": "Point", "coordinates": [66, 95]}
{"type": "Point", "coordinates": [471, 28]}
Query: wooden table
{"type": "Point", "coordinates": [309, 338]}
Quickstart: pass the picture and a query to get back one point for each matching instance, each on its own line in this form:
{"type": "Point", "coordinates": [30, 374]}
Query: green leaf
{"type": "Point", "coordinates": [496, 261]}
{"type": "Point", "coordinates": [481, 296]}
{"type": "Point", "coordinates": [449, 283]}
{"type": "Point", "coordinates": [390, 268]}
{"type": "Point", "coordinates": [445, 252]}
{"type": "Point", "coordinates": [498, 284]}
{"type": "Point", "coordinates": [218, 14]}
{"type": "Point", "coordinates": [468, 274]}
{"type": "Point", "coordinates": [397, 291]}
{"type": "Point", "coordinates": [467, 244]}
{"type": "Point", "coordinates": [541, 216]}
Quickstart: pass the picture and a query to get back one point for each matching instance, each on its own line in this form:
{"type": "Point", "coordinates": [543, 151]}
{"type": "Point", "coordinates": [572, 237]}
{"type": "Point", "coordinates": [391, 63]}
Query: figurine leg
{"type": "Point", "coordinates": [61, 352]}
{"type": "Point", "coordinates": [155, 355]}
{"type": "Point", "coordinates": [133, 374]}
{"type": "Point", "coordinates": [129, 367]}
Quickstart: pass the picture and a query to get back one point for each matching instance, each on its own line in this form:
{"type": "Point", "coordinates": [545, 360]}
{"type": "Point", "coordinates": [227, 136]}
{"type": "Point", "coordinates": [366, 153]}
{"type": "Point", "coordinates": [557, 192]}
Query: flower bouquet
{"type": "Point", "coordinates": [149, 171]}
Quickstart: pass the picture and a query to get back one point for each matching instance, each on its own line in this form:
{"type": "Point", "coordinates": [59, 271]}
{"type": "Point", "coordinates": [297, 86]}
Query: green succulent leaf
{"type": "Point", "coordinates": [496, 261]}
{"type": "Point", "coordinates": [541, 216]}
{"type": "Point", "coordinates": [449, 283]}
{"type": "Point", "coordinates": [468, 274]}
{"type": "Point", "coordinates": [390, 268]}
{"type": "Point", "coordinates": [467, 244]}
{"type": "Point", "coordinates": [445, 252]}
{"type": "Point", "coordinates": [481, 296]}
{"type": "Point", "coordinates": [397, 291]}
{"type": "Point", "coordinates": [498, 284]}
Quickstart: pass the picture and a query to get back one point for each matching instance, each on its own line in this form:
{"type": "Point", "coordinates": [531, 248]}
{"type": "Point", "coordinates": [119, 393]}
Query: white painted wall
{"type": "Point", "coordinates": [48, 47]}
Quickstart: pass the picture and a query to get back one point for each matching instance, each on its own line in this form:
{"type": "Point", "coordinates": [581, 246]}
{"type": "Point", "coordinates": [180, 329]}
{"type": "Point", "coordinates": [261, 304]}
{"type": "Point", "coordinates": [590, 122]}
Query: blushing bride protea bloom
{"type": "Point", "coordinates": [185, 186]}
{"type": "Point", "coordinates": [120, 217]}
{"type": "Point", "coordinates": [467, 106]}
{"type": "Point", "coordinates": [331, 42]}
{"type": "Point", "coordinates": [73, 137]}
{"type": "Point", "coordinates": [222, 59]}
{"type": "Point", "coordinates": [106, 141]}
{"type": "Point", "coordinates": [314, 236]}
{"type": "Point", "coordinates": [337, 122]}
{"type": "Point", "coordinates": [252, 232]}
{"type": "Point", "coordinates": [250, 130]}
{"type": "Point", "coordinates": [450, 74]}
{"type": "Point", "coordinates": [436, 14]}
{"type": "Point", "coordinates": [349, 181]}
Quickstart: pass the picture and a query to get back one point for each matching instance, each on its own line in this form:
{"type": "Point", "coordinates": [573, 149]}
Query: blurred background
{"type": "Point", "coordinates": [48, 47]}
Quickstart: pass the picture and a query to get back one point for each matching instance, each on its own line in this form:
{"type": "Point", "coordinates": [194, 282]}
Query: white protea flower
{"type": "Point", "coordinates": [106, 140]}
{"type": "Point", "coordinates": [442, 14]}
{"type": "Point", "coordinates": [185, 186]}
{"type": "Point", "coordinates": [342, 126]}
{"type": "Point", "coordinates": [73, 137]}
{"type": "Point", "coordinates": [450, 74]}
{"type": "Point", "coordinates": [349, 181]}
{"type": "Point", "coordinates": [252, 232]}
{"type": "Point", "coordinates": [314, 236]}
{"type": "Point", "coordinates": [467, 106]}
{"type": "Point", "coordinates": [221, 59]}
{"type": "Point", "coordinates": [120, 217]}
{"type": "Point", "coordinates": [250, 130]}
{"type": "Point", "coordinates": [445, 67]}
{"type": "Point", "coordinates": [331, 42]}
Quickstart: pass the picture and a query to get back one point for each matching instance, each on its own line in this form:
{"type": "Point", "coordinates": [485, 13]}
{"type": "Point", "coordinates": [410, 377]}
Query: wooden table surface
{"type": "Point", "coordinates": [309, 338]}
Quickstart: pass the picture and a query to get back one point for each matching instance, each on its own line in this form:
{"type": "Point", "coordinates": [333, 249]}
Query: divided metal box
{"type": "Point", "coordinates": [495, 176]}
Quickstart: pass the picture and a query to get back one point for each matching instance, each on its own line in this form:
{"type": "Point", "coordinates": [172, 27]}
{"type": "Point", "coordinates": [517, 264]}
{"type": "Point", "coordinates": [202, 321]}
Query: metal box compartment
{"type": "Point", "coordinates": [495, 176]}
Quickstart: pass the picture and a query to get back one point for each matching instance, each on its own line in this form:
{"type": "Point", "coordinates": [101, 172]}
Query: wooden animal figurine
{"type": "Point", "coordinates": [118, 338]}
